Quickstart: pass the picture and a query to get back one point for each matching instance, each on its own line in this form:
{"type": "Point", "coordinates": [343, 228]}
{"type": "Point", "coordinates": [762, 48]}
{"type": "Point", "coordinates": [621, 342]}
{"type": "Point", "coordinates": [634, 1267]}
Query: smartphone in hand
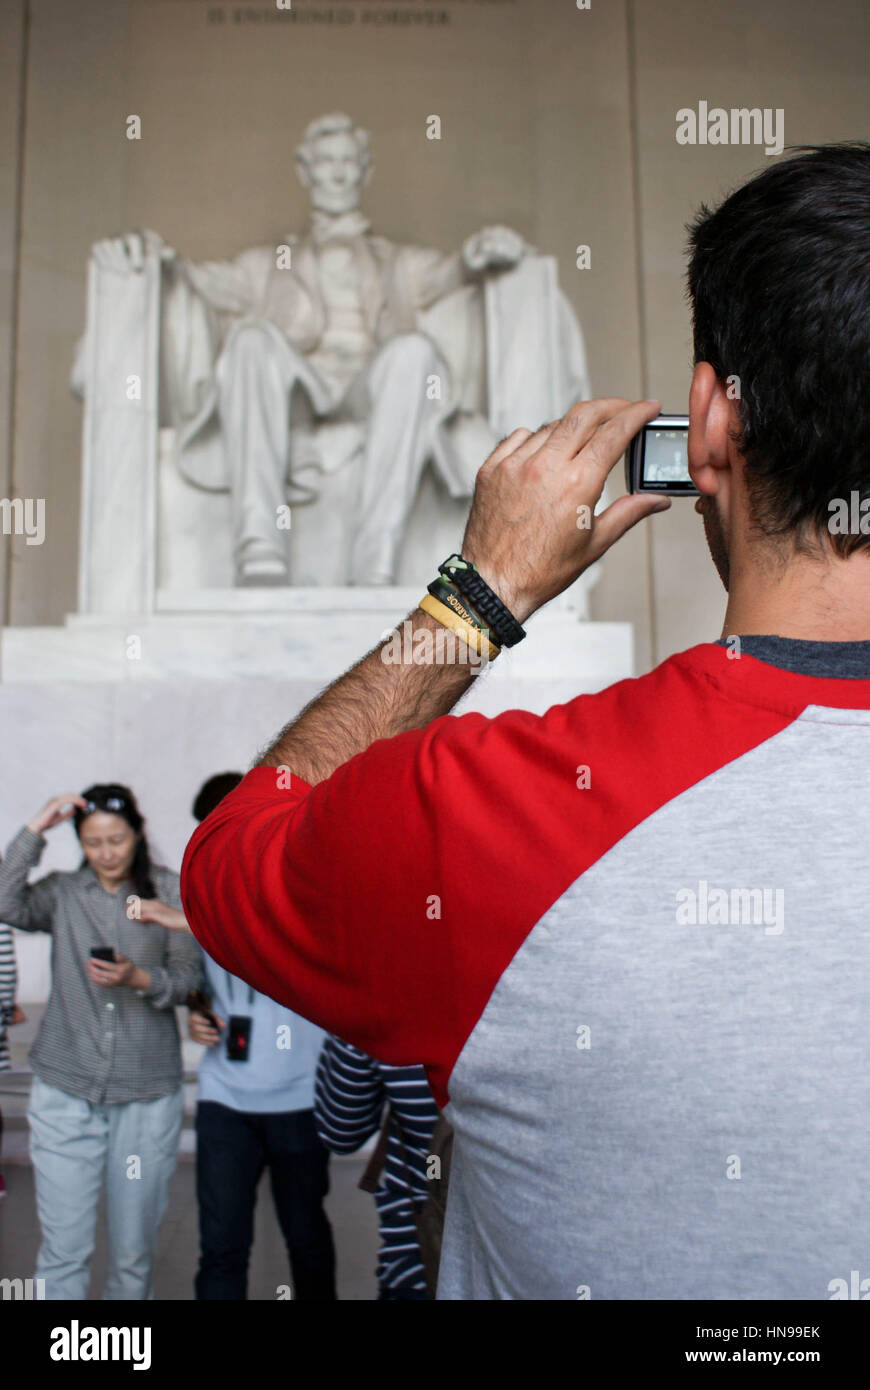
{"type": "Point", "coordinates": [198, 1003]}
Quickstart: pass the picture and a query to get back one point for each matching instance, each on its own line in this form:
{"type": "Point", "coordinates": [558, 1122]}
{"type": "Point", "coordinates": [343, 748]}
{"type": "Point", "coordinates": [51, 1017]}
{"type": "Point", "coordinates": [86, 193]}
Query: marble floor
{"type": "Point", "coordinates": [351, 1213]}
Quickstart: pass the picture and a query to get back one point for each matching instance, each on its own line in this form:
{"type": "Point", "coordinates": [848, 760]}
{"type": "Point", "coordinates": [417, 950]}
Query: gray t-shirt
{"type": "Point", "coordinates": [667, 1094]}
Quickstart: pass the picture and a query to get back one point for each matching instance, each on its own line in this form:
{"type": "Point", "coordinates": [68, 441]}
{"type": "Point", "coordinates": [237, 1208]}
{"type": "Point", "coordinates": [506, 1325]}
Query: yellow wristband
{"type": "Point", "coordinates": [472, 636]}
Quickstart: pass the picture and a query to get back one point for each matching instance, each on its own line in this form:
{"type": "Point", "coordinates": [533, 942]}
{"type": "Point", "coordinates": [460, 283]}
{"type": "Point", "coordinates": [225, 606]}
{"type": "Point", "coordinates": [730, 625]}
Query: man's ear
{"type": "Point", "coordinates": [302, 173]}
{"type": "Point", "coordinates": [710, 424]}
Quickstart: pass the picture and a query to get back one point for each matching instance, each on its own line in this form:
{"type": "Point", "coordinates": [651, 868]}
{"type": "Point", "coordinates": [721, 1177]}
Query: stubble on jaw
{"type": "Point", "coordinates": [717, 542]}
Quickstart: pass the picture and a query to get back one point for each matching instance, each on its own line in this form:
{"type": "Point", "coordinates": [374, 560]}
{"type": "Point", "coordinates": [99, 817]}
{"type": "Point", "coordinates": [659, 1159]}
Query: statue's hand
{"type": "Point", "coordinates": [495, 248]}
{"type": "Point", "coordinates": [125, 255]}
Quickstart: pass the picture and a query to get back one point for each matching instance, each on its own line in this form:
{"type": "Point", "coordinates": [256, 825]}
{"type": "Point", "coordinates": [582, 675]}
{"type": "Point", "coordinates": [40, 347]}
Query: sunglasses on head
{"type": "Point", "coordinates": [109, 803]}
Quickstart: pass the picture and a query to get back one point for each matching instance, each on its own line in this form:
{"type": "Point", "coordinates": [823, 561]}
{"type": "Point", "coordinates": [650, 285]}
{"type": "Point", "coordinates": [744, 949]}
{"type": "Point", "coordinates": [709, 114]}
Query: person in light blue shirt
{"type": "Point", "coordinates": [283, 1050]}
{"type": "Point", "coordinates": [255, 1110]}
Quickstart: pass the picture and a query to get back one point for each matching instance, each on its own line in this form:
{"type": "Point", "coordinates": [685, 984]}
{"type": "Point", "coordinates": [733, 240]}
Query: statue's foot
{"type": "Point", "coordinates": [262, 571]}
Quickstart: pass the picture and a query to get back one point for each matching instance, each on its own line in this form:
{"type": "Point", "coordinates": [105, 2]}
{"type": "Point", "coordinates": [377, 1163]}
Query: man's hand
{"type": "Point", "coordinates": [532, 530]}
{"type": "Point", "coordinates": [201, 1031]}
{"type": "Point", "coordinates": [112, 973]}
{"type": "Point", "coordinates": [496, 248]}
{"type": "Point", "coordinates": [58, 809]}
{"type": "Point", "coordinates": [153, 910]}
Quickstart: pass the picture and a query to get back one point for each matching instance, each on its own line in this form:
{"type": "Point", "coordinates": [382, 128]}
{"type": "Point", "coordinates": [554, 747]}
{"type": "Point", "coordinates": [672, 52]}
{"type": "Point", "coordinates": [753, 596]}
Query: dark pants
{"type": "Point", "coordinates": [232, 1149]}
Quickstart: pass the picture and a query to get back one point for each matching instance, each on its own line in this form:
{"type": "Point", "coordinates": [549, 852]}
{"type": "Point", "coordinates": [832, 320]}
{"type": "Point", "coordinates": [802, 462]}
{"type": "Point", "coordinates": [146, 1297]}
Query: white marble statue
{"type": "Point", "coordinates": [385, 344]}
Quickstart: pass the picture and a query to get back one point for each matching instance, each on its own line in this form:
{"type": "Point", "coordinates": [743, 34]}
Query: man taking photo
{"type": "Point", "coordinates": [640, 993]}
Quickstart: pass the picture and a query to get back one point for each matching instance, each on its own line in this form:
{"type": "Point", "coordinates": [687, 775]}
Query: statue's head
{"type": "Point", "coordinates": [334, 163]}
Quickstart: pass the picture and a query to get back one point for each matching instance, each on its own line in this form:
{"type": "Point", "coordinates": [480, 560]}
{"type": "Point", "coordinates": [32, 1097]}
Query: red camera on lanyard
{"type": "Point", "coordinates": [239, 1038]}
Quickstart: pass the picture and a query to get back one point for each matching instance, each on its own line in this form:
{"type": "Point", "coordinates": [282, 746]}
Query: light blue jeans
{"type": "Point", "coordinates": [72, 1145]}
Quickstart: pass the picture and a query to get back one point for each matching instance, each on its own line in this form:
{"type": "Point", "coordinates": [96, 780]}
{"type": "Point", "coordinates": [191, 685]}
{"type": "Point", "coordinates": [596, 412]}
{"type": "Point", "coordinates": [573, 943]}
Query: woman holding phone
{"type": "Point", "coordinates": [107, 1083]}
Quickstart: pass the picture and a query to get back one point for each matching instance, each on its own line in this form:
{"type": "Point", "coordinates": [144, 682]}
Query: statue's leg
{"type": "Point", "coordinates": [396, 448]}
{"type": "Point", "coordinates": [257, 371]}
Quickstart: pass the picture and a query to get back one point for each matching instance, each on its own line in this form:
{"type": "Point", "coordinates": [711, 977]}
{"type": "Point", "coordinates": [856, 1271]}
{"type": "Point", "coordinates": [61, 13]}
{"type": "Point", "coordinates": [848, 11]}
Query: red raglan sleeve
{"type": "Point", "coordinates": [386, 902]}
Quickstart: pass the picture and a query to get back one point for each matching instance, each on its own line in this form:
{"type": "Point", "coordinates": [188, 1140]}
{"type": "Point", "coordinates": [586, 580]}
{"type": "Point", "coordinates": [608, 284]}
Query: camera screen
{"type": "Point", "coordinates": [665, 458]}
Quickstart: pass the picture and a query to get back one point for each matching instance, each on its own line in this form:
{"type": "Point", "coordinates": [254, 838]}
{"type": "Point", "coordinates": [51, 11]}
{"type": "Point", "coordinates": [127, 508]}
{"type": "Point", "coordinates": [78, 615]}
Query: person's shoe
{"type": "Point", "coordinates": [2, 1187]}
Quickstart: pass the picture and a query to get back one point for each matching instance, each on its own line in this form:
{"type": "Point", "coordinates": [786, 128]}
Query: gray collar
{"type": "Point", "coordinates": [824, 660]}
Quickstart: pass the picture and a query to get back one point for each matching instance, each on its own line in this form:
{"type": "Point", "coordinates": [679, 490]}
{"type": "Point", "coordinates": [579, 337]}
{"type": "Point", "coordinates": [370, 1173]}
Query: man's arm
{"type": "Point", "coordinates": [523, 536]}
{"type": "Point", "coordinates": [379, 890]}
{"type": "Point", "coordinates": [374, 699]}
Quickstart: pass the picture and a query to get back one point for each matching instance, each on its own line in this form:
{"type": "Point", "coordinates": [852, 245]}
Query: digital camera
{"type": "Point", "coordinates": [657, 458]}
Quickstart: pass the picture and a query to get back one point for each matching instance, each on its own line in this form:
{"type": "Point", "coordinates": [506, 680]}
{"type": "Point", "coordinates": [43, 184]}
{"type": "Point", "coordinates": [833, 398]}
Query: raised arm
{"type": "Point", "coordinates": [28, 906]}
{"type": "Point", "coordinates": [524, 538]}
{"type": "Point", "coordinates": [359, 852]}
{"type": "Point", "coordinates": [31, 906]}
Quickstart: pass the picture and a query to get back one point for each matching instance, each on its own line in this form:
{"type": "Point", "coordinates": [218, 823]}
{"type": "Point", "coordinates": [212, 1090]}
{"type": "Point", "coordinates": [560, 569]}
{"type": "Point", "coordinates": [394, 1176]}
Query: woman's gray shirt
{"type": "Point", "coordinates": [104, 1045]}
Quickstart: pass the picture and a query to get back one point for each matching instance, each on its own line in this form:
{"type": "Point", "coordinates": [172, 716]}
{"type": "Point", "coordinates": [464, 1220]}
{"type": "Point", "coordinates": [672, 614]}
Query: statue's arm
{"type": "Point", "coordinates": [223, 285]}
{"type": "Point", "coordinates": [436, 275]}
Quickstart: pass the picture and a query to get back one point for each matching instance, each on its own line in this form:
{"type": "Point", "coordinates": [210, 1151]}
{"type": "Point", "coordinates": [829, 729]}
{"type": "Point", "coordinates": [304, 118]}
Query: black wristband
{"type": "Point", "coordinates": [447, 593]}
{"type": "Point", "coordinates": [505, 629]}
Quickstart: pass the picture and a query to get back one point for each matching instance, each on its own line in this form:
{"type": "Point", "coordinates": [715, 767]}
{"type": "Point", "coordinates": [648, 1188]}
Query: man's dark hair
{"type": "Point", "coordinates": [213, 791]}
{"type": "Point", "coordinates": [779, 279]}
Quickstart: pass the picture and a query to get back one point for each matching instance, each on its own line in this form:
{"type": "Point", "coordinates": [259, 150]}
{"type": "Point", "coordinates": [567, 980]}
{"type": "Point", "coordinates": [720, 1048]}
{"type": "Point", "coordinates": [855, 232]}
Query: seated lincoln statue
{"type": "Point", "coordinates": [340, 350]}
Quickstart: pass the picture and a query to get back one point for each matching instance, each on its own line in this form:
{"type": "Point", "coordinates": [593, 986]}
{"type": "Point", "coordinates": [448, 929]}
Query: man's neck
{"type": "Point", "coordinates": [811, 599]}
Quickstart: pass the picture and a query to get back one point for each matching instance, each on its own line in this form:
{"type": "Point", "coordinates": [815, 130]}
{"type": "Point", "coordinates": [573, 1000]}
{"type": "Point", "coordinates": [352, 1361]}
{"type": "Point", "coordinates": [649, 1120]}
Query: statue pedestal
{"type": "Point", "coordinates": [162, 701]}
{"type": "Point", "coordinates": [302, 636]}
